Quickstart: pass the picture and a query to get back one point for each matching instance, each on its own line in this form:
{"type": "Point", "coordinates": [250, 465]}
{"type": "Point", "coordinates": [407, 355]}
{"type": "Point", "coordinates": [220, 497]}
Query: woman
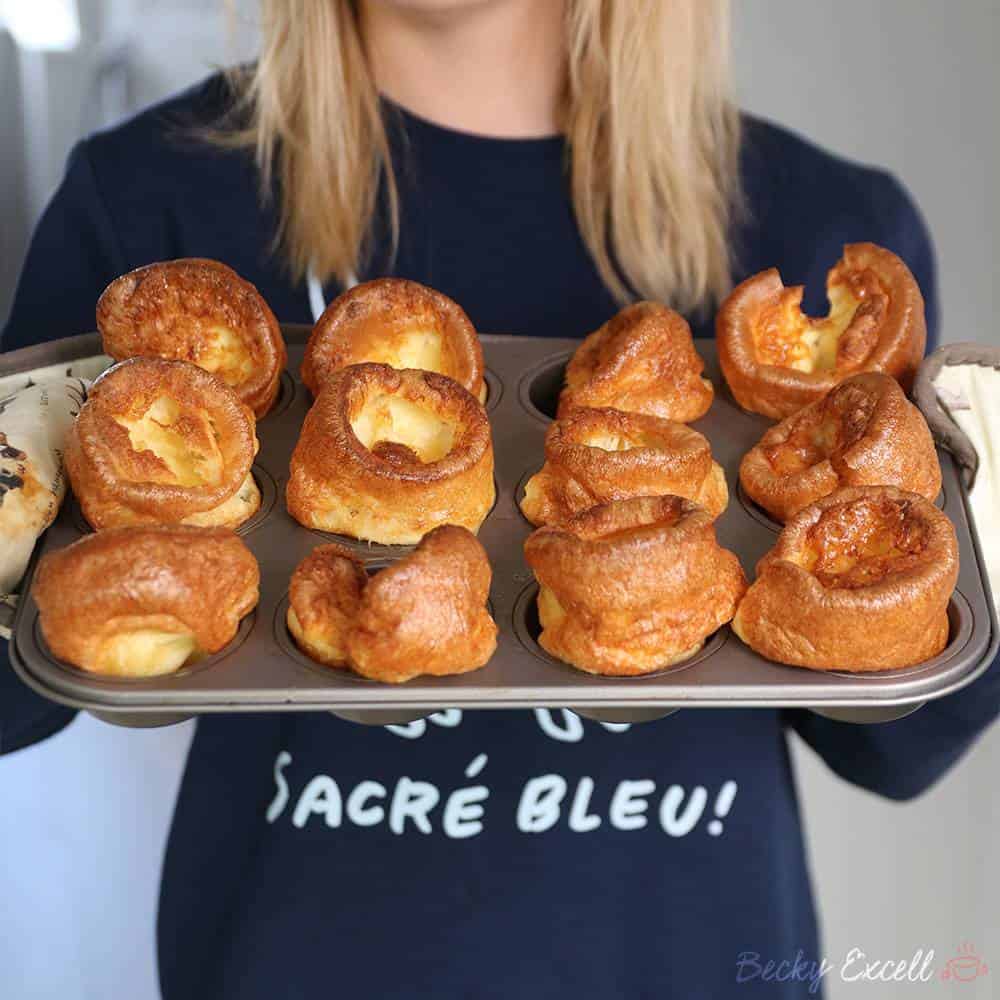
{"type": "Point", "coordinates": [541, 163]}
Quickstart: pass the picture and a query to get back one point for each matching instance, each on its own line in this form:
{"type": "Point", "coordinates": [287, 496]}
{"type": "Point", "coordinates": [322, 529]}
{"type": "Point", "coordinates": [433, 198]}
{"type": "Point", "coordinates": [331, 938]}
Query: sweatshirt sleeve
{"type": "Point", "coordinates": [74, 253]}
{"type": "Point", "coordinates": [904, 758]}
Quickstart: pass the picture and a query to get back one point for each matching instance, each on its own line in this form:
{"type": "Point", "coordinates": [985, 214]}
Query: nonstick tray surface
{"type": "Point", "coordinates": [262, 669]}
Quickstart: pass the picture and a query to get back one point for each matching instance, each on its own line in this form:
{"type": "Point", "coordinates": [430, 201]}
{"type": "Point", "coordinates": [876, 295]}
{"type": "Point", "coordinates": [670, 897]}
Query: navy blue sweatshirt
{"type": "Point", "coordinates": [479, 854]}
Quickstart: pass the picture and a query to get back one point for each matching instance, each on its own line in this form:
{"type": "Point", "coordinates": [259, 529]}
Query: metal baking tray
{"type": "Point", "coordinates": [262, 669]}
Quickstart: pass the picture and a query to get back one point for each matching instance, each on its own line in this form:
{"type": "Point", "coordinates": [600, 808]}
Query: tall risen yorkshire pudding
{"type": "Point", "coordinates": [864, 432]}
{"type": "Point", "coordinates": [425, 614]}
{"type": "Point", "coordinates": [643, 361]}
{"type": "Point", "coordinates": [777, 360]}
{"type": "Point", "coordinates": [399, 323]}
{"type": "Point", "coordinates": [633, 586]}
{"type": "Point", "coordinates": [387, 455]}
{"type": "Point", "coordinates": [595, 456]}
{"type": "Point", "coordinates": [144, 601]}
{"type": "Point", "coordinates": [200, 311]}
{"type": "Point", "coordinates": [162, 442]}
{"type": "Point", "coordinates": [860, 580]}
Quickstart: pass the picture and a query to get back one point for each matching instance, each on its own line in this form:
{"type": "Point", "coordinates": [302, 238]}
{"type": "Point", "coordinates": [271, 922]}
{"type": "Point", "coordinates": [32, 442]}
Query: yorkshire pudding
{"type": "Point", "coordinates": [777, 360]}
{"type": "Point", "coordinates": [425, 614]}
{"type": "Point", "coordinates": [200, 311]}
{"type": "Point", "coordinates": [398, 323]}
{"type": "Point", "coordinates": [162, 442]}
{"type": "Point", "coordinates": [385, 455]}
{"type": "Point", "coordinates": [643, 361]}
{"type": "Point", "coordinates": [144, 601]}
{"type": "Point", "coordinates": [595, 456]}
{"type": "Point", "coordinates": [632, 586]}
{"type": "Point", "coordinates": [860, 580]}
{"type": "Point", "coordinates": [864, 432]}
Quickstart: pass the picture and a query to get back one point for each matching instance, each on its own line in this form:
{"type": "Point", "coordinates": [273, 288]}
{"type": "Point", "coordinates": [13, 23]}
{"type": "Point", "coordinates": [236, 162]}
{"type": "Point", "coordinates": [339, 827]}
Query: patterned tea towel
{"type": "Point", "coordinates": [37, 409]}
{"type": "Point", "coordinates": [958, 390]}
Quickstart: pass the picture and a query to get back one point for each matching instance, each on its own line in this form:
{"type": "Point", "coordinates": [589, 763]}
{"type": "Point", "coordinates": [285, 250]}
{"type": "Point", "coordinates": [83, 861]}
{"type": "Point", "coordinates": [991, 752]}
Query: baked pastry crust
{"type": "Point", "coordinates": [633, 586]}
{"type": "Point", "coordinates": [200, 311]}
{"type": "Point", "coordinates": [864, 432]}
{"type": "Point", "coordinates": [398, 323]}
{"type": "Point", "coordinates": [386, 455]}
{"type": "Point", "coordinates": [425, 614]}
{"type": "Point", "coordinates": [596, 456]}
{"type": "Point", "coordinates": [144, 601]}
{"type": "Point", "coordinates": [642, 361]}
{"type": "Point", "coordinates": [858, 581]}
{"type": "Point", "coordinates": [777, 360]}
{"type": "Point", "coordinates": [162, 442]}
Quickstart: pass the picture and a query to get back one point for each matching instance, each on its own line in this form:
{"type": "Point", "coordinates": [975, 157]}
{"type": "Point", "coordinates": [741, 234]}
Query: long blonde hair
{"type": "Point", "coordinates": [651, 127]}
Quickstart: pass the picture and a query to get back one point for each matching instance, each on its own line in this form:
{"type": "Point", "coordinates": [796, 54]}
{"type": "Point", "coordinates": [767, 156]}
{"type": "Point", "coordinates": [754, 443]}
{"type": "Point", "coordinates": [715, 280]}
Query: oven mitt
{"type": "Point", "coordinates": [36, 411]}
{"type": "Point", "coordinates": [958, 390]}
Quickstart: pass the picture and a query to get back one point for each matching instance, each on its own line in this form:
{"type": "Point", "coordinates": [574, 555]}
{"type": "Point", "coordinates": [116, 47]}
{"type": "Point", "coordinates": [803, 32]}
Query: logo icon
{"type": "Point", "coordinates": [965, 966]}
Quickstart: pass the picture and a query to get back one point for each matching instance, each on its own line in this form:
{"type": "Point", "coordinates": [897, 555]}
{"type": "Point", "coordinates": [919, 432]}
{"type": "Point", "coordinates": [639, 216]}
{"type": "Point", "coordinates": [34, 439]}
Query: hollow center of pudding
{"type": "Point", "coordinates": [144, 651]}
{"type": "Point", "coordinates": [225, 354]}
{"type": "Point", "coordinates": [788, 338]}
{"type": "Point", "coordinates": [183, 440]}
{"type": "Point", "coordinates": [386, 420]}
{"type": "Point", "coordinates": [842, 421]}
{"type": "Point", "coordinates": [858, 543]}
{"type": "Point", "coordinates": [808, 445]}
{"type": "Point", "coordinates": [842, 340]}
{"type": "Point", "coordinates": [610, 441]}
{"type": "Point", "coordinates": [418, 344]}
{"type": "Point", "coordinates": [415, 349]}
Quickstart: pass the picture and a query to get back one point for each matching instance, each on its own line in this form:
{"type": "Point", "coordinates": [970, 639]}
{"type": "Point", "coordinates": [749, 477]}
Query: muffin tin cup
{"type": "Point", "coordinates": [264, 671]}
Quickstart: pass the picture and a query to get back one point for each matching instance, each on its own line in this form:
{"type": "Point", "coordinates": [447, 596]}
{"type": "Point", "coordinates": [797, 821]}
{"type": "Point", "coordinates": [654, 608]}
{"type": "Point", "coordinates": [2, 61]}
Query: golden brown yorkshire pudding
{"type": "Point", "coordinates": [200, 311]}
{"type": "Point", "coordinates": [777, 360]}
{"type": "Point", "coordinates": [595, 456]}
{"type": "Point", "coordinates": [386, 455]}
{"type": "Point", "coordinates": [864, 432]}
{"type": "Point", "coordinates": [144, 601]}
{"type": "Point", "coordinates": [633, 586]}
{"type": "Point", "coordinates": [643, 361]}
{"type": "Point", "coordinates": [403, 324]}
{"type": "Point", "coordinates": [425, 614]}
{"type": "Point", "coordinates": [859, 580]}
{"type": "Point", "coordinates": [162, 442]}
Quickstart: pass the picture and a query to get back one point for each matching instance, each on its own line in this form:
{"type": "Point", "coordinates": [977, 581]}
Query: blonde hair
{"type": "Point", "coordinates": [651, 129]}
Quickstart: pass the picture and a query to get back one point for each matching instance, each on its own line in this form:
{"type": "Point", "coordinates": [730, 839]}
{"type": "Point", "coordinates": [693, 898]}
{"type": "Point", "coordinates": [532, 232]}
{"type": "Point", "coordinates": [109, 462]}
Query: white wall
{"type": "Point", "coordinates": [11, 170]}
{"type": "Point", "coordinates": [909, 84]}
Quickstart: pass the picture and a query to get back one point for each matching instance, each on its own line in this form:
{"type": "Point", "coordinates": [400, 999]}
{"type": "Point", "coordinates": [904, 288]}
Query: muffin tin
{"type": "Point", "coordinates": [262, 669]}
